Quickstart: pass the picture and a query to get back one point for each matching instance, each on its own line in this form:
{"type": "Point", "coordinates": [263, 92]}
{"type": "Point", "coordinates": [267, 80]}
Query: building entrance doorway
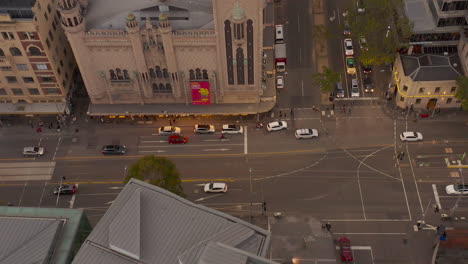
{"type": "Point", "coordinates": [431, 104]}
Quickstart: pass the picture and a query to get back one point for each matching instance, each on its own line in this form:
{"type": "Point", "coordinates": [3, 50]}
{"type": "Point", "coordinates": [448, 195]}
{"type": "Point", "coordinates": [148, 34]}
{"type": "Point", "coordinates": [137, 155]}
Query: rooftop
{"type": "Point", "coordinates": [147, 224]}
{"type": "Point", "coordinates": [17, 9]}
{"type": "Point", "coordinates": [39, 235]}
{"type": "Point", "coordinates": [419, 13]}
{"type": "Point", "coordinates": [432, 67]}
{"type": "Point", "coordinates": [182, 14]}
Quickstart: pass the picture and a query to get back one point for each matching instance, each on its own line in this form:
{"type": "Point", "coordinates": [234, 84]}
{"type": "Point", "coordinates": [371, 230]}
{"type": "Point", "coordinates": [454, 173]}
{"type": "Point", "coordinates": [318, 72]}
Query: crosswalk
{"type": "Point", "coordinates": [26, 171]}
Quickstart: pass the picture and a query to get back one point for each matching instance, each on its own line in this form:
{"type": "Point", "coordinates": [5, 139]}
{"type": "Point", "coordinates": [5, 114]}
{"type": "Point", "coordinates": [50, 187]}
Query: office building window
{"type": "Point", "coordinates": [41, 66]}
{"type": "Point", "coordinates": [17, 91]}
{"type": "Point", "coordinates": [34, 51]}
{"type": "Point", "coordinates": [418, 101]}
{"type": "Point", "coordinates": [46, 79]}
{"type": "Point", "coordinates": [453, 89]}
{"type": "Point", "coordinates": [421, 90]}
{"type": "Point", "coordinates": [51, 91]}
{"type": "Point", "coordinates": [2, 54]}
{"type": "Point", "coordinates": [15, 52]}
{"type": "Point", "coordinates": [3, 91]}
{"type": "Point", "coordinates": [449, 100]}
{"type": "Point", "coordinates": [22, 67]}
{"type": "Point", "coordinates": [11, 79]}
{"type": "Point", "coordinates": [33, 91]}
{"type": "Point", "coordinates": [437, 90]}
{"type": "Point", "coordinates": [28, 79]}
{"type": "Point", "coordinates": [405, 88]}
{"type": "Point", "coordinates": [5, 68]}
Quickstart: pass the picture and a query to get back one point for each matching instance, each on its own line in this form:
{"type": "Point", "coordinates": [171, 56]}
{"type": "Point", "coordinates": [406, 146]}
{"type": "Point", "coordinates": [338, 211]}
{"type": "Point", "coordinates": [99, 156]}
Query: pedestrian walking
{"type": "Point", "coordinates": [402, 154]}
{"type": "Point", "coordinates": [436, 209]}
{"type": "Point", "coordinates": [173, 121]}
{"type": "Point", "coordinates": [39, 130]}
{"type": "Point", "coordinates": [328, 226]}
{"type": "Point", "coordinates": [58, 128]}
{"type": "Point", "coordinates": [292, 111]}
{"type": "Point", "coordinates": [170, 122]}
{"type": "Point", "coordinates": [41, 124]}
{"type": "Point", "coordinates": [280, 114]}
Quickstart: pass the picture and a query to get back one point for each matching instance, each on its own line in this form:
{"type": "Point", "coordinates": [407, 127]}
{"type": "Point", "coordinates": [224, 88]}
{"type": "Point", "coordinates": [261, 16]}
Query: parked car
{"type": "Point", "coordinates": [360, 6]}
{"type": "Point", "coordinates": [346, 253]}
{"type": "Point", "coordinates": [278, 125]}
{"type": "Point", "coordinates": [113, 149]}
{"type": "Point", "coordinates": [347, 28]}
{"type": "Point", "coordinates": [177, 139]}
{"type": "Point", "coordinates": [340, 93]}
{"type": "Point", "coordinates": [279, 82]}
{"type": "Point", "coordinates": [215, 187]}
{"type": "Point", "coordinates": [33, 151]}
{"type": "Point", "coordinates": [366, 69]}
{"type": "Point", "coordinates": [363, 43]}
{"type": "Point", "coordinates": [409, 136]}
{"type": "Point", "coordinates": [232, 129]}
{"type": "Point", "coordinates": [204, 129]}
{"type": "Point", "coordinates": [456, 189]}
{"type": "Point", "coordinates": [350, 65]}
{"type": "Point", "coordinates": [368, 85]}
{"type": "Point", "coordinates": [354, 88]}
{"type": "Point", "coordinates": [169, 130]}
{"type": "Point", "coordinates": [348, 47]}
{"type": "Point", "coordinates": [65, 189]}
{"type": "Point", "coordinates": [306, 133]}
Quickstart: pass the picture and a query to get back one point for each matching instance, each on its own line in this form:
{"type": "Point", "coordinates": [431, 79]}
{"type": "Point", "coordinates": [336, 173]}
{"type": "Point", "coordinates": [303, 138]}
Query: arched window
{"type": "Point", "coordinates": [158, 72]}
{"type": "Point", "coordinates": [168, 88]}
{"type": "Point", "coordinates": [205, 74]}
{"type": "Point", "coordinates": [69, 22]}
{"type": "Point", "coordinates": [34, 51]}
{"type": "Point", "coordinates": [161, 88]}
{"type": "Point", "coordinates": [2, 54]}
{"type": "Point", "coordinates": [112, 75]}
{"type": "Point", "coordinates": [198, 73]}
{"type": "Point", "coordinates": [152, 73]}
{"type": "Point", "coordinates": [155, 88]}
{"type": "Point", "coordinates": [15, 52]}
{"type": "Point", "coordinates": [192, 75]}
{"type": "Point", "coordinates": [119, 74]}
{"type": "Point", "coordinates": [126, 76]}
{"type": "Point", "coordinates": [75, 20]}
{"type": "Point", "coordinates": [165, 73]}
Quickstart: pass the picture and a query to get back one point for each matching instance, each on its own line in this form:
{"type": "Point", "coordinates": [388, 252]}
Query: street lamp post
{"type": "Point", "coordinates": [250, 177]}
{"type": "Point", "coordinates": [58, 191]}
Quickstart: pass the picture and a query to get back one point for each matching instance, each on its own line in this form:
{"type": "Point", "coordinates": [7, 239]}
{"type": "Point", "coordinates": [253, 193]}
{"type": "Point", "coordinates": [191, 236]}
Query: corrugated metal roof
{"type": "Point", "coordinates": [170, 228]}
{"type": "Point", "coordinates": [215, 254]}
{"type": "Point", "coordinates": [432, 67]}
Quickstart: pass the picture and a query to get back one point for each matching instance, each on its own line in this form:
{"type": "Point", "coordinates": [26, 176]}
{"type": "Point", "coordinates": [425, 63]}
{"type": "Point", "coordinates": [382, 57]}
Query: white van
{"type": "Point", "coordinates": [354, 88]}
{"type": "Point", "coordinates": [279, 34]}
{"type": "Point", "coordinates": [279, 82]}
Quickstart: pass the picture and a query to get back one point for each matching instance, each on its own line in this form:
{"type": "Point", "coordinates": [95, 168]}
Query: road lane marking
{"type": "Point", "coordinates": [208, 197]}
{"type": "Point", "coordinates": [42, 195]}
{"type": "Point", "coordinates": [367, 220]}
{"type": "Point", "coordinates": [222, 149]}
{"type": "Point", "coordinates": [22, 193]}
{"type": "Point", "coordinates": [72, 201]}
{"type": "Point", "coordinates": [436, 195]}
{"type": "Point", "coordinates": [364, 247]}
{"type": "Point", "coordinates": [245, 140]}
{"type": "Point", "coordinates": [414, 178]}
{"type": "Point", "coordinates": [359, 183]}
{"type": "Point", "coordinates": [57, 148]}
{"type": "Point", "coordinates": [153, 141]}
{"type": "Point", "coordinates": [399, 168]}
{"type": "Point", "coordinates": [151, 151]}
{"type": "Point", "coordinates": [188, 145]}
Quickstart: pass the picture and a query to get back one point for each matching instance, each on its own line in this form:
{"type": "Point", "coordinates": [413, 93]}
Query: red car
{"type": "Point", "coordinates": [177, 139]}
{"type": "Point", "coordinates": [345, 250]}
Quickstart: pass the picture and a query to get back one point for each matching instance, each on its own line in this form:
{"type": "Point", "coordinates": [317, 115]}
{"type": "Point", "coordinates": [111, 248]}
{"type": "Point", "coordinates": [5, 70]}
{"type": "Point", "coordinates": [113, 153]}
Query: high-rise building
{"type": "Point", "coordinates": [36, 62]}
{"type": "Point", "coordinates": [146, 53]}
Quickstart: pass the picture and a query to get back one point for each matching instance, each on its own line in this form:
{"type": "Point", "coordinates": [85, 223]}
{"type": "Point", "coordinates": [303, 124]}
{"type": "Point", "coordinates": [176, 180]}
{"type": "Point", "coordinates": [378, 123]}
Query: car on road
{"type": "Point", "coordinates": [340, 93]}
{"type": "Point", "coordinates": [232, 129]}
{"type": "Point", "coordinates": [350, 65]}
{"type": "Point", "coordinates": [277, 125]}
{"type": "Point", "coordinates": [177, 139]}
{"type": "Point", "coordinates": [306, 133]}
{"type": "Point", "coordinates": [347, 28]}
{"type": "Point", "coordinates": [113, 149]}
{"type": "Point", "coordinates": [346, 252]}
{"type": "Point", "coordinates": [348, 47]}
{"type": "Point", "coordinates": [354, 88]}
{"type": "Point", "coordinates": [410, 136]}
{"type": "Point", "coordinates": [169, 130]}
{"type": "Point", "coordinates": [363, 43]}
{"type": "Point", "coordinates": [279, 82]}
{"type": "Point", "coordinates": [215, 187]}
{"type": "Point", "coordinates": [33, 151]}
{"type": "Point", "coordinates": [366, 69]}
{"type": "Point", "coordinates": [456, 189]}
{"type": "Point", "coordinates": [204, 129]}
{"type": "Point", "coordinates": [65, 189]}
{"type": "Point", "coordinates": [368, 85]}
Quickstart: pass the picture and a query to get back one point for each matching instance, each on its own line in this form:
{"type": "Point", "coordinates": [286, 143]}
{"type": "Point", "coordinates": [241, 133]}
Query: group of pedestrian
{"type": "Point", "coordinates": [327, 227]}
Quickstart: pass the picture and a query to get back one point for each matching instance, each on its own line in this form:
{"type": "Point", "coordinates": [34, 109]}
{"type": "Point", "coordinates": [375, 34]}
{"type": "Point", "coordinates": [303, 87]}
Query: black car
{"type": "Point", "coordinates": [65, 189]}
{"type": "Point", "coordinates": [113, 149]}
{"type": "Point", "coordinates": [367, 69]}
{"type": "Point", "coordinates": [368, 85]}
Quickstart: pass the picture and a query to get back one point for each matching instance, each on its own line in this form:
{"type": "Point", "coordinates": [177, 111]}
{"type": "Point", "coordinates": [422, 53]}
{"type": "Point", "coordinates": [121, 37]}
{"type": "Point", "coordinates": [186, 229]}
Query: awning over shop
{"type": "Point", "coordinates": [32, 109]}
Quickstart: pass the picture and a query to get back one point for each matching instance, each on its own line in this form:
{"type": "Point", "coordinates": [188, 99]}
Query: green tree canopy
{"type": "Point", "coordinates": [326, 79]}
{"type": "Point", "coordinates": [159, 171]}
{"type": "Point", "coordinates": [462, 91]}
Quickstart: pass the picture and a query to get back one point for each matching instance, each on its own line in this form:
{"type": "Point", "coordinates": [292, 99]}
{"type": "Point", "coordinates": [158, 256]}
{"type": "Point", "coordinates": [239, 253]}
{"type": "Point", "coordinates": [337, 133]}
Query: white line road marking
{"type": "Point", "coordinates": [72, 201]}
{"type": "Point", "coordinates": [42, 195]}
{"type": "Point", "coordinates": [208, 197]}
{"type": "Point", "coordinates": [359, 185]}
{"type": "Point", "coordinates": [152, 151]}
{"type": "Point", "coordinates": [302, 87]}
{"type": "Point", "coordinates": [399, 168]}
{"type": "Point", "coordinates": [153, 141]}
{"type": "Point", "coordinates": [245, 140]}
{"type": "Point", "coordinates": [222, 149]}
{"type": "Point", "coordinates": [56, 149]}
{"type": "Point", "coordinates": [414, 178]}
{"type": "Point", "coordinates": [367, 220]}
{"type": "Point", "coordinates": [110, 202]}
{"type": "Point", "coordinates": [436, 195]}
{"type": "Point", "coordinates": [395, 234]}
{"type": "Point", "coordinates": [22, 193]}
{"type": "Point", "coordinates": [188, 145]}
{"type": "Point", "coordinates": [116, 187]}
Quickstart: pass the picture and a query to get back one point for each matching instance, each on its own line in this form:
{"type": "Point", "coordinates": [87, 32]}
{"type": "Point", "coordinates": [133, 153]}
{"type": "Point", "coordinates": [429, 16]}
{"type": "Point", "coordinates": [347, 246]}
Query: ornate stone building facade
{"type": "Point", "coordinates": [167, 51]}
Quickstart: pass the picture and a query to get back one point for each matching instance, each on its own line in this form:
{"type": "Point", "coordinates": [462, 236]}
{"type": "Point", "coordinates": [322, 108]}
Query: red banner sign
{"type": "Point", "coordinates": [200, 93]}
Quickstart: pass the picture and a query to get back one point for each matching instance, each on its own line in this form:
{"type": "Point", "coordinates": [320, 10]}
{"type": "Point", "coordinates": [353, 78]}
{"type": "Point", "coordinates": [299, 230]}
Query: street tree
{"type": "Point", "coordinates": [326, 79]}
{"type": "Point", "coordinates": [462, 91]}
{"type": "Point", "coordinates": [159, 171]}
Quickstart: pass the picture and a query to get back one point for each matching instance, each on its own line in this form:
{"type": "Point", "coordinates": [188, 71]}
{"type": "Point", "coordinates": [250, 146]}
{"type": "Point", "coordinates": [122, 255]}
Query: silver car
{"type": "Point", "coordinates": [169, 131]}
{"type": "Point", "coordinates": [33, 151]}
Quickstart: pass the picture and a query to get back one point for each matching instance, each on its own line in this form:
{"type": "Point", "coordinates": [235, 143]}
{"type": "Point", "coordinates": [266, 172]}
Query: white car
{"type": "Point", "coordinates": [204, 129]}
{"type": "Point", "coordinates": [279, 82]}
{"type": "Point", "coordinates": [348, 46]}
{"type": "Point", "coordinates": [33, 151]}
{"type": "Point", "coordinates": [215, 187]}
{"type": "Point", "coordinates": [456, 189]}
{"type": "Point", "coordinates": [306, 133]}
{"type": "Point", "coordinates": [278, 125]}
{"type": "Point", "coordinates": [169, 131]}
{"type": "Point", "coordinates": [409, 136]}
{"type": "Point", "coordinates": [232, 129]}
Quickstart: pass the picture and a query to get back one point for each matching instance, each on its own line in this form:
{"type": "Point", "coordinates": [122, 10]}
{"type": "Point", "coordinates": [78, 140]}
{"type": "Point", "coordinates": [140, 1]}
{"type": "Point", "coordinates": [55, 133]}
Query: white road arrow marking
{"type": "Point", "coordinates": [208, 197]}
{"type": "Point", "coordinates": [158, 151]}
{"type": "Point", "coordinates": [115, 187]}
{"type": "Point", "coordinates": [110, 202]}
{"type": "Point", "coordinates": [153, 141]}
{"type": "Point", "coordinates": [216, 149]}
